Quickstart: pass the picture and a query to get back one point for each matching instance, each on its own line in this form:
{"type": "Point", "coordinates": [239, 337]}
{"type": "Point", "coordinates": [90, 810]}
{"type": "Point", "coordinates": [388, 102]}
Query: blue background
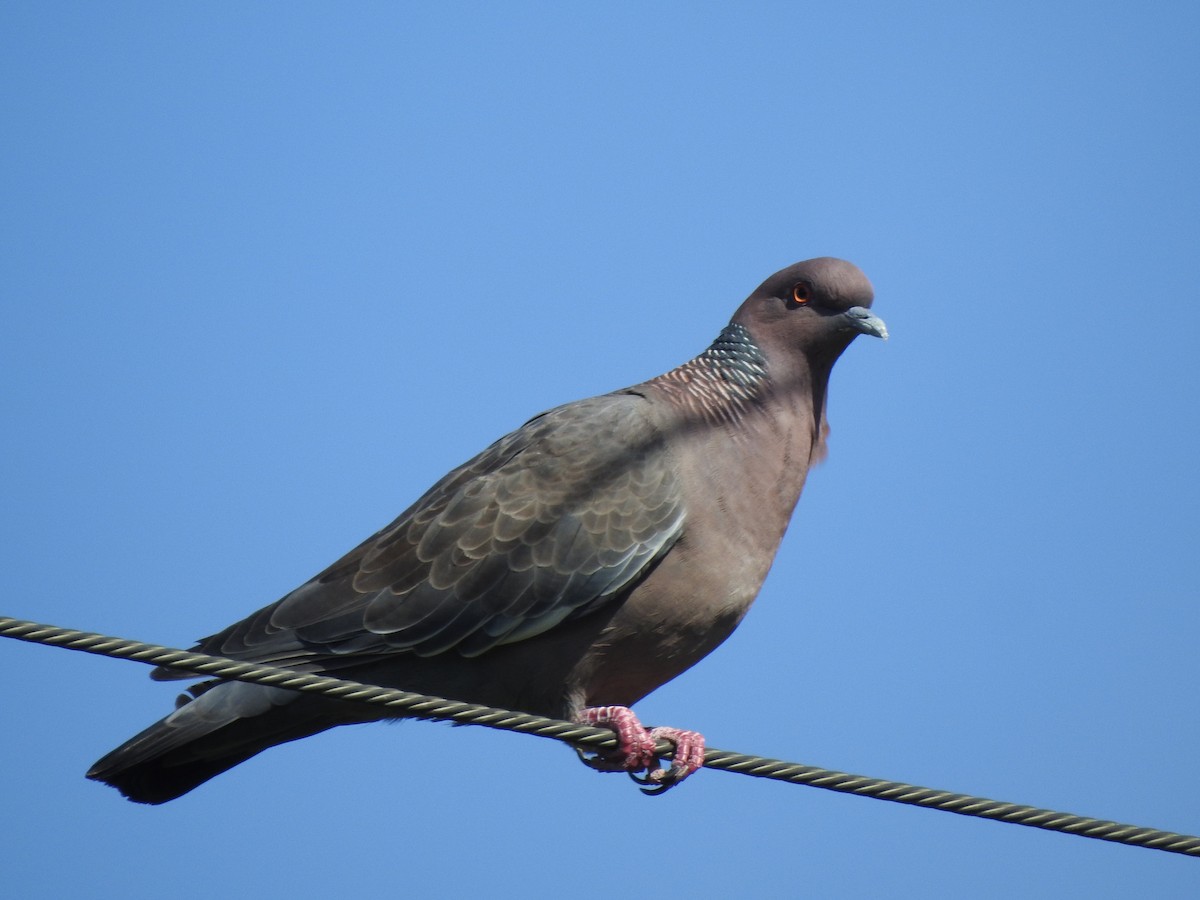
{"type": "Point", "coordinates": [271, 269]}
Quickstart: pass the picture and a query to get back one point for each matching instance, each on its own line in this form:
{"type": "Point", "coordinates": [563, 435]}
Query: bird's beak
{"type": "Point", "coordinates": [863, 320]}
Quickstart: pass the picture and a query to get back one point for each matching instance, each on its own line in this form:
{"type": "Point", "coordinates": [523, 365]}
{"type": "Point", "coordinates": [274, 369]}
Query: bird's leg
{"type": "Point", "coordinates": [636, 748]}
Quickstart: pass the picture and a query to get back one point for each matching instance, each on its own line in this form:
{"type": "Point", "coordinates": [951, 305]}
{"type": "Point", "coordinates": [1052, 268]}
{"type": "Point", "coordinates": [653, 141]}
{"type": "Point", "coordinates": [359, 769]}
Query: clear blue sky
{"type": "Point", "coordinates": [268, 270]}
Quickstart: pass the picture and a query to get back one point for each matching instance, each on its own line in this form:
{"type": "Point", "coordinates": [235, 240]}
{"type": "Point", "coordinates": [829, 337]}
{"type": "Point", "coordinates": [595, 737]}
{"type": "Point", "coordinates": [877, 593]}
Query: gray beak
{"type": "Point", "coordinates": [863, 320]}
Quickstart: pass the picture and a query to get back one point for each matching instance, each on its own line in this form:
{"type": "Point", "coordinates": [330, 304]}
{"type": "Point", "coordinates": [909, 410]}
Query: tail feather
{"type": "Point", "coordinates": [223, 726]}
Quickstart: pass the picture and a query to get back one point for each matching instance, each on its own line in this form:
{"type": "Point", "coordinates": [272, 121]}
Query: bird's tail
{"type": "Point", "coordinates": [225, 724]}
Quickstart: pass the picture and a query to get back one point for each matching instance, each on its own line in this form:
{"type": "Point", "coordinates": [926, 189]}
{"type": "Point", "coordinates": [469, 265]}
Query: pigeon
{"type": "Point", "coordinates": [568, 570]}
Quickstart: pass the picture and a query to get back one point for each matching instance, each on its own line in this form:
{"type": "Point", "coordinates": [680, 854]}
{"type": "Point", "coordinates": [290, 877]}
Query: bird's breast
{"type": "Point", "coordinates": [739, 493]}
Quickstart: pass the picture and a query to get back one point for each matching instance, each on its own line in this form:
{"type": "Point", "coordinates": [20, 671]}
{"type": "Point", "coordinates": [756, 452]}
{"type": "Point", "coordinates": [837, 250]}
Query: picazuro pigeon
{"type": "Point", "coordinates": [569, 569]}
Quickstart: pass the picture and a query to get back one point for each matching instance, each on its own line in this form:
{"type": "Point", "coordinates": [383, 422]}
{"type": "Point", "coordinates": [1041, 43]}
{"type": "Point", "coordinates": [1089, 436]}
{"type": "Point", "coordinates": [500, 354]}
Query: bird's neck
{"type": "Point", "coordinates": [763, 425]}
{"type": "Point", "coordinates": [733, 380]}
{"type": "Point", "coordinates": [760, 401]}
{"type": "Point", "coordinates": [721, 384]}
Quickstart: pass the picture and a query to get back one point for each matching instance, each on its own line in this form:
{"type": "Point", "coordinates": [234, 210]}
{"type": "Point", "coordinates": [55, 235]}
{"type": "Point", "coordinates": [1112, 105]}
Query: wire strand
{"type": "Point", "coordinates": [592, 738]}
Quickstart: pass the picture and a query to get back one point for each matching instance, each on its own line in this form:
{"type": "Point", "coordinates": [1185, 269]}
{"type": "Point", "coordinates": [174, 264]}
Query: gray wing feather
{"type": "Point", "coordinates": [550, 522]}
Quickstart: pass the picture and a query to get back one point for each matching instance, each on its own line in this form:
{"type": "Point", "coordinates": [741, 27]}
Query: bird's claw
{"type": "Point", "coordinates": [658, 780]}
{"type": "Point", "coordinates": [688, 757]}
{"type": "Point", "coordinates": [637, 750]}
{"type": "Point", "coordinates": [600, 762]}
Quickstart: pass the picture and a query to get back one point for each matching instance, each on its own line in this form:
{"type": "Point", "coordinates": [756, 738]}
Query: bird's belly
{"type": "Point", "coordinates": [701, 591]}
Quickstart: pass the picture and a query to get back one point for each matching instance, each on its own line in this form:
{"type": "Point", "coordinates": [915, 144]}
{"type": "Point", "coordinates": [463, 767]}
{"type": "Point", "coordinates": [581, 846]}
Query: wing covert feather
{"type": "Point", "coordinates": [551, 521]}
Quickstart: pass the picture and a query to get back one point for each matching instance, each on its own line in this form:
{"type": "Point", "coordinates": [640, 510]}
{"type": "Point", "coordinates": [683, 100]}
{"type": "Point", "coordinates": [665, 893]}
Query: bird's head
{"type": "Point", "coordinates": [817, 307]}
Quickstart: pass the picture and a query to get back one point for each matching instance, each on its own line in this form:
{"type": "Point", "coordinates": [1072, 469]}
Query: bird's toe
{"type": "Point", "coordinates": [688, 758]}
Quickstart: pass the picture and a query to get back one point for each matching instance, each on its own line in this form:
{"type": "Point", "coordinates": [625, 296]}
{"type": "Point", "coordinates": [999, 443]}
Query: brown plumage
{"type": "Point", "coordinates": [579, 562]}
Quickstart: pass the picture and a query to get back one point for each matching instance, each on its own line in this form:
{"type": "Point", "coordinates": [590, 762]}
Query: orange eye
{"type": "Point", "coordinates": [800, 293]}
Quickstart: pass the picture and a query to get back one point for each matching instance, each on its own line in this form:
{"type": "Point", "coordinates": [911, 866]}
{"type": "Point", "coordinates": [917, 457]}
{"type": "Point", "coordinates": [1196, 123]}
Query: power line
{"type": "Point", "coordinates": [592, 738]}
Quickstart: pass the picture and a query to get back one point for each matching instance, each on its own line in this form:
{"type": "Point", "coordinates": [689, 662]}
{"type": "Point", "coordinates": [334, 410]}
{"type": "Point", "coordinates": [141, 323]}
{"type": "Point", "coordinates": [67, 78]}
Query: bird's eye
{"type": "Point", "coordinates": [800, 293]}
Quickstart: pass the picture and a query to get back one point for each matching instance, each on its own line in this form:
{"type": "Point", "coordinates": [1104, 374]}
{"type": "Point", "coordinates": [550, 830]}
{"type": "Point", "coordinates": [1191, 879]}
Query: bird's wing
{"type": "Point", "coordinates": [550, 522]}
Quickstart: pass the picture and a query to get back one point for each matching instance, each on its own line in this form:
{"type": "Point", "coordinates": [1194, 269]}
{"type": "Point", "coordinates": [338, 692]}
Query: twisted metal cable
{"type": "Point", "coordinates": [437, 708]}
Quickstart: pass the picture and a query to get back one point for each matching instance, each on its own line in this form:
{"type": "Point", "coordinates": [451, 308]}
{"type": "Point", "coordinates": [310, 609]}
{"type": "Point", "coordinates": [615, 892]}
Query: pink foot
{"type": "Point", "coordinates": [636, 748]}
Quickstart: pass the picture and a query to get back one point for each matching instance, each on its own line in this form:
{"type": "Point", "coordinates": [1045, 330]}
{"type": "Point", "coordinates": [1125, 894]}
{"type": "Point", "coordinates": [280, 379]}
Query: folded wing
{"type": "Point", "coordinates": [551, 522]}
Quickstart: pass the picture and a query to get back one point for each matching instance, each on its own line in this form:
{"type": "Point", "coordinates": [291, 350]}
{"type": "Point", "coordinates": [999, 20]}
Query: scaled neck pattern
{"type": "Point", "coordinates": [721, 381]}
